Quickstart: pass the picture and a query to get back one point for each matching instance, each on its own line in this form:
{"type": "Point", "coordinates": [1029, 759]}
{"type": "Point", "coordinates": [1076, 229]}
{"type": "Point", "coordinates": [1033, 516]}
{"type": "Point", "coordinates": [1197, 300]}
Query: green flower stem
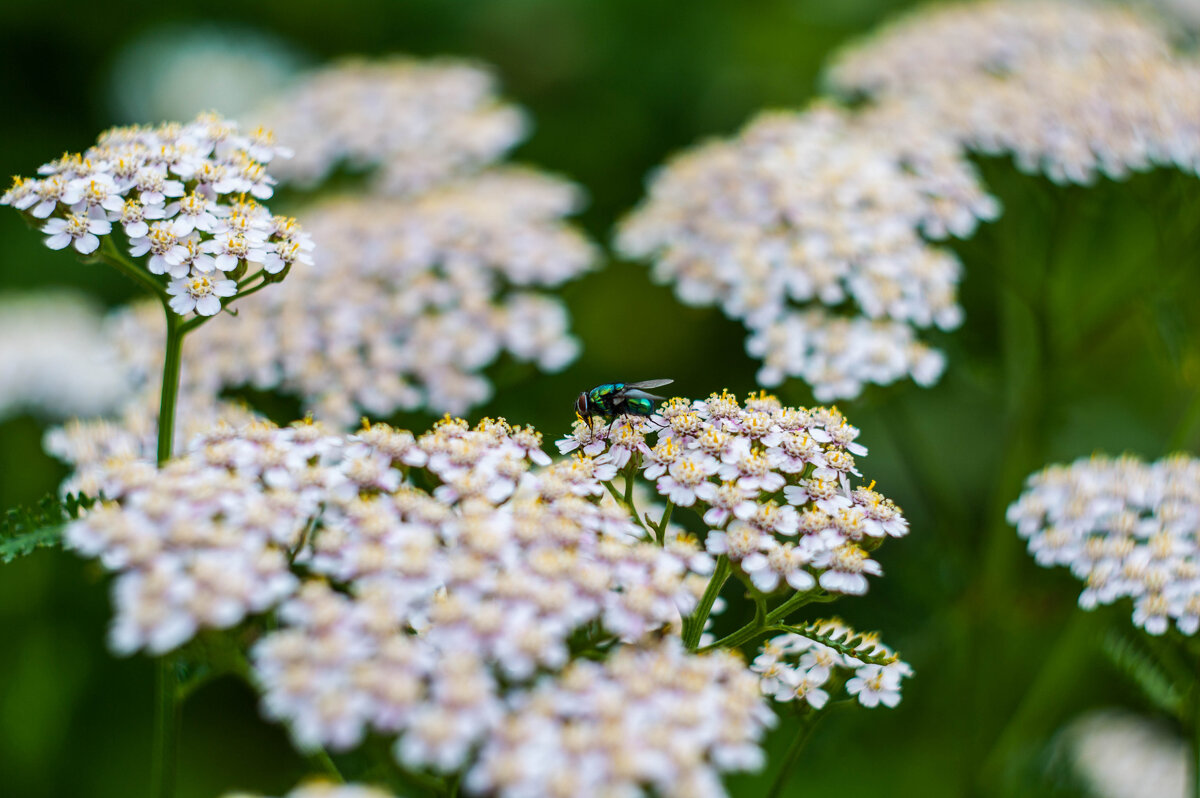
{"type": "Point", "coordinates": [808, 721]}
{"type": "Point", "coordinates": [166, 729]}
{"type": "Point", "coordinates": [170, 384]}
{"type": "Point", "coordinates": [167, 703]}
{"type": "Point", "coordinates": [693, 625]}
{"type": "Point", "coordinates": [110, 254]}
{"type": "Point", "coordinates": [770, 622]}
{"type": "Point", "coordinates": [661, 529]}
{"type": "Point", "coordinates": [760, 610]}
{"type": "Point", "coordinates": [630, 473]}
{"type": "Point", "coordinates": [616, 494]}
{"type": "Point", "coordinates": [324, 761]}
{"type": "Point", "coordinates": [243, 291]}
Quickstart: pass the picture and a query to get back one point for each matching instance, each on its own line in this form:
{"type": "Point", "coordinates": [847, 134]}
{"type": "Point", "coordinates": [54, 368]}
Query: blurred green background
{"type": "Point", "coordinates": [1081, 336]}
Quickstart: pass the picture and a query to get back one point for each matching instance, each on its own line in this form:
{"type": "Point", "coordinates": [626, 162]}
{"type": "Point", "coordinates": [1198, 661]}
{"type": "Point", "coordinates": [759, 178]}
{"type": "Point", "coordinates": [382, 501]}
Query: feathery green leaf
{"type": "Point", "coordinates": [1133, 660]}
{"type": "Point", "coordinates": [23, 529]}
{"type": "Point", "coordinates": [850, 644]}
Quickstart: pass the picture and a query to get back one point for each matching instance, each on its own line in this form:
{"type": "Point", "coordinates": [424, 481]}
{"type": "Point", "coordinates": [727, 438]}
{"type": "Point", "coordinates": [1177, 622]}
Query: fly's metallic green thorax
{"type": "Point", "coordinates": [615, 399]}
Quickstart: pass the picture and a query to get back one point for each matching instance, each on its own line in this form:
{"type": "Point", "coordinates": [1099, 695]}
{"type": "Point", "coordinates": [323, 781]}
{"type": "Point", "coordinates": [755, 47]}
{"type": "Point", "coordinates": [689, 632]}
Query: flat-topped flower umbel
{"type": "Point", "coordinates": [182, 196]}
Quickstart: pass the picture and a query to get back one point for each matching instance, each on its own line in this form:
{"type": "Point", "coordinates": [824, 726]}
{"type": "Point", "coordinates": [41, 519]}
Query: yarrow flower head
{"type": "Point", "coordinates": [1070, 89]}
{"type": "Point", "coordinates": [773, 484]}
{"type": "Point", "coordinates": [804, 216]}
{"type": "Point", "coordinates": [796, 667]}
{"type": "Point", "coordinates": [656, 718]}
{"type": "Point", "coordinates": [416, 123]}
{"type": "Point", "coordinates": [1124, 527]}
{"type": "Point", "coordinates": [178, 193]}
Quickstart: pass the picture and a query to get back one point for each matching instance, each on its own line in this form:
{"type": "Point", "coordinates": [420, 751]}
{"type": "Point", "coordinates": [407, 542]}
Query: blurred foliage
{"type": "Point", "coordinates": [1082, 306]}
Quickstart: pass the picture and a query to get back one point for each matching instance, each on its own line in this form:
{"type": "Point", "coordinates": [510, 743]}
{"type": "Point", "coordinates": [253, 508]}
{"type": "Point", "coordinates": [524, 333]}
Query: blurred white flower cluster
{"type": "Point", "coordinates": [1119, 754]}
{"type": "Point", "coordinates": [410, 301]}
{"type": "Point", "coordinates": [791, 667]}
{"type": "Point", "coordinates": [1126, 528]}
{"type": "Point", "coordinates": [185, 197]}
{"type": "Point", "coordinates": [811, 229]}
{"type": "Point", "coordinates": [413, 123]}
{"type": "Point", "coordinates": [1071, 89]}
{"type": "Point", "coordinates": [657, 717]}
{"type": "Point", "coordinates": [54, 360]}
{"type": "Point", "coordinates": [321, 789]}
{"type": "Point", "coordinates": [732, 462]}
{"type": "Point", "coordinates": [175, 70]}
{"type": "Point", "coordinates": [341, 665]}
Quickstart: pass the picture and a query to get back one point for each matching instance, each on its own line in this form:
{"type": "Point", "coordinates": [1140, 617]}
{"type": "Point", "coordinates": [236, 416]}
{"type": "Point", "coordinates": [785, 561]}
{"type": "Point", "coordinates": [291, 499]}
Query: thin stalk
{"type": "Point", "coordinates": [661, 530]}
{"type": "Point", "coordinates": [324, 761]}
{"type": "Point", "coordinates": [110, 254]}
{"type": "Point", "coordinates": [807, 723]}
{"type": "Point", "coordinates": [166, 729]}
{"type": "Point", "coordinates": [760, 610]}
{"type": "Point", "coordinates": [693, 625]}
{"type": "Point", "coordinates": [167, 703]}
{"type": "Point", "coordinates": [170, 385]}
{"type": "Point", "coordinates": [247, 292]}
{"type": "Point", "coordinates": [616, 494]}
{"type": "Point", "coordinates": [770, 621]}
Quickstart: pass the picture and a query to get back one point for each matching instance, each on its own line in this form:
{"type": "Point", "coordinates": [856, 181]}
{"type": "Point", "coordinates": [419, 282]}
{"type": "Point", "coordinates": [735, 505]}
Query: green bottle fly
{"type": "Point", "coordinates": [612, 400]}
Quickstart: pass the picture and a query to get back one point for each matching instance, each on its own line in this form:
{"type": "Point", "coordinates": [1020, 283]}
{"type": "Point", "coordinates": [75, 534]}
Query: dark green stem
{"type": "Point", "coordinates": [166, 729]}
{"type": "Point", "coordinates": [110, 254]}
{"type": "Point", "coordinates": [807, 723]}
{"type": "Point", "coordinates": [244, 292]}
{"type": "Point", "coordinates": [166, 697]}
{"type": "Point", "coordinates": [170, 384]}
{"type": "Point", "coordinates": [616, 494]}
{"type": "Point", "coordinates": [770, 622]}
{"type": "Point", "coordinates": [760, 610]}
{"type": "Point", "coordinates": [324, 761]}
{"type": "Point", "coordinates": [661, 530]}
{"type": "Point", "coordinates": [693, 625]}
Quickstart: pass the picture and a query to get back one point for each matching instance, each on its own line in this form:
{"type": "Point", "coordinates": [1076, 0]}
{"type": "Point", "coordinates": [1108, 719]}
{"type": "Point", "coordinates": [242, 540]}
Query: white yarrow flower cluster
{"type": "Point", "coordinates": [414, 123]}
{"type": "Point", "coordinates": [656, 720]}
{"type": "Point", "coordinates": [791, 667]}
{"type": "Point", "coordinates": [207, 539]}
{"type": "Point", "coordinates": [1071, 89]}
{"type": "Point", "coordinates": [185, 196]}
{"type": "Point", "coordinates": [734, 463]}
{"type": "Point", "coordinates": [811, 228]}
{"type": "Point", "coordinates": [1124, 527]}
{"type": "Point", "coordinates": [485, 581]}
{"type": "Point", "coordinates": [92, 446]}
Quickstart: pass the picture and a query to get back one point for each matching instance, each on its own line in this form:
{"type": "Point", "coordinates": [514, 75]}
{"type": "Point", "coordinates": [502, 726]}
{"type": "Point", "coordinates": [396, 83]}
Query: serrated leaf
{"type": "Point", "coordinates": [25, 529]}
{"type": "Point", "coordinates": [1141, 668]}
{"type": "Point", "coordinates": [859, 647]}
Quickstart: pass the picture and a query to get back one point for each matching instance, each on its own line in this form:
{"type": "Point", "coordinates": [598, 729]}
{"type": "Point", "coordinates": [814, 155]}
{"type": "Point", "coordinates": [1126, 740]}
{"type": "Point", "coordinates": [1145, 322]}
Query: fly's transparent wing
{"type": "Point", "coordinates": [632, 389]}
